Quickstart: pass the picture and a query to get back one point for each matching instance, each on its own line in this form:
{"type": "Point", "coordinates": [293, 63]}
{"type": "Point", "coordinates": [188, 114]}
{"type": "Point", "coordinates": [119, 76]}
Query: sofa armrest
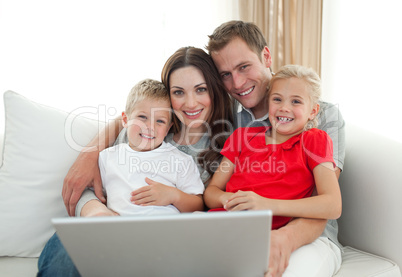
{"type": "Point", "coordinates": [371, 185]}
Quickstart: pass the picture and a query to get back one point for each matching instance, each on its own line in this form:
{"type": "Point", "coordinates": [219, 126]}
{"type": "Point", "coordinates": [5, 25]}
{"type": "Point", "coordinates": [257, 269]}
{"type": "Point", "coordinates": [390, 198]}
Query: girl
{"type": "Point", "coordinates": [278, 167]}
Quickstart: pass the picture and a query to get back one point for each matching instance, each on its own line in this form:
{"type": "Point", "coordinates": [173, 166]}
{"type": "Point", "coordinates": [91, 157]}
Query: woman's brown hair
{"type": "Point", "coordinates": [220, 121]}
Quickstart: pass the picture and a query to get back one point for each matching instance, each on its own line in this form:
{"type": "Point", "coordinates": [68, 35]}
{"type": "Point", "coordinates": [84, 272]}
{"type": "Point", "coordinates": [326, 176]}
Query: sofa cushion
{"type": "Point", "coordinates": [40, 145]}
{"type": "Point", "coordinates": [17, 267]}
{"type": "Point", "coordinates": [359, 263]}
{"type": "Point", "coordinates": [354, 263]}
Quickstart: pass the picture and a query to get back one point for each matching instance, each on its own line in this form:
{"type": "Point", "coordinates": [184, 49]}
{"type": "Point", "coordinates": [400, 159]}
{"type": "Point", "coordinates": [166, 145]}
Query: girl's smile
{"type": "Point", "coordinates": [290, 107]}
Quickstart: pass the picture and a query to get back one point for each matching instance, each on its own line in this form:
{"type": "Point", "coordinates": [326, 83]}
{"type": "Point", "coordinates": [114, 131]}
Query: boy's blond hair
{"type": "Point", "coordinates": [309, 76]}
{"type": "Point", "coordinates": [147, 88]}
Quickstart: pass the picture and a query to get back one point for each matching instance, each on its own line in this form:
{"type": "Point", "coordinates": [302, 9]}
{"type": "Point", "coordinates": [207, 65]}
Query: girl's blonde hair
{"type": "Point", "coordinates": [309, 76]}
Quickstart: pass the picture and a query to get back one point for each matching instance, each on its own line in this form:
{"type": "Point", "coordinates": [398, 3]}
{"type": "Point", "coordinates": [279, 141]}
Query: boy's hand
{"type": "Point", "coordinates": [155, 194]}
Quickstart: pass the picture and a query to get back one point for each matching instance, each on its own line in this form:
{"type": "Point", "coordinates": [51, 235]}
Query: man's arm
{"type": "Point", "coordinates": [85, 170]}
{"type": "Point", "coordinates": [331, 121]}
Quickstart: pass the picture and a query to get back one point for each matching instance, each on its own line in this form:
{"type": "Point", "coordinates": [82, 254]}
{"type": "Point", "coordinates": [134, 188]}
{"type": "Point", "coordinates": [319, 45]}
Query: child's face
{"type": "Point", "coordinates": [290, 106]}
{"type": "Point", "coordinates": [148, 124]}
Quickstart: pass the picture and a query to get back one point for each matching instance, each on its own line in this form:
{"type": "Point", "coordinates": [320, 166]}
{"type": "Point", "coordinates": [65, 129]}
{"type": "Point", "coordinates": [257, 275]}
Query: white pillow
{"type": "Point", "coordinates": [40, 145]}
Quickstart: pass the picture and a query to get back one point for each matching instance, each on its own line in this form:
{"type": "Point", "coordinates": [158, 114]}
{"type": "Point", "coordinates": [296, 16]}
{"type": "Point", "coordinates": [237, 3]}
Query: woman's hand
{"type": "Point", "coordinates": [155, 194]}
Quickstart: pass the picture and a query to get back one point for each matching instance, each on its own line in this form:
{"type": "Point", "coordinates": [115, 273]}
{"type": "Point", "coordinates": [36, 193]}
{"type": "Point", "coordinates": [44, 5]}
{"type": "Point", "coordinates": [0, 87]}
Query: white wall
{"type": "Point", "coordinates": [361, 62]}
{"type": "Point", "coordinates": [75, 53]}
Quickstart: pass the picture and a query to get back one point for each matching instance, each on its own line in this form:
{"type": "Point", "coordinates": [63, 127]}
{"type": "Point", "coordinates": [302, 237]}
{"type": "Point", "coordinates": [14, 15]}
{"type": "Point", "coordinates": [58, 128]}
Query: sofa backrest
{"type": "Point", "coordinates": [371, 185]}
{"type": "Point", "coordinates": [1, 146]}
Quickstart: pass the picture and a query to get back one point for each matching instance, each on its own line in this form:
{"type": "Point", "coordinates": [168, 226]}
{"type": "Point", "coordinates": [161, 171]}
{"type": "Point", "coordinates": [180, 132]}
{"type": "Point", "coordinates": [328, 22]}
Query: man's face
{"type": "Point", "coordinates": [245, 74]}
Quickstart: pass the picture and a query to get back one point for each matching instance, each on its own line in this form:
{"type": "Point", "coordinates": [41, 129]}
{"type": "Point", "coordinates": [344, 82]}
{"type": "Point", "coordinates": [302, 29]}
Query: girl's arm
{"type": "Point", "coordinates": [215, 195]}
{"type": "Point", "coordinates": [158, 194]}
{"type": "Point", "coordinates": [326, 205]}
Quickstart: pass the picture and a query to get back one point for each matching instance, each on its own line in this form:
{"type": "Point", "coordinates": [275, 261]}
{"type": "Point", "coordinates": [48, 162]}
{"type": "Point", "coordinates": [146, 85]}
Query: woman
{"type": "Point", "coordinates": [202, 122]}
{"type": "Point", "coordinates": [203, 110]}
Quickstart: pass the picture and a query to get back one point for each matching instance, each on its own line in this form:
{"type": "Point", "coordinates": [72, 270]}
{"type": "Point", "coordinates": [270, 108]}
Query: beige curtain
{"type": "Point", "coordinates": [292, 29]}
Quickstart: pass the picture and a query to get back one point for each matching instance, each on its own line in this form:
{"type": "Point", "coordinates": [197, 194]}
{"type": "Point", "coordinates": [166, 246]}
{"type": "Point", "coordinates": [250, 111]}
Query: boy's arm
{"type": "Point", "coordinates": [96, 208]}
{"type": "Point", "coordinates": [158, 194]}
{"type": "Point", "coordinates": [215, 195]}
{"type": "Point", "coordinates": [188, 203]}
{"type": "Point", "coordinates": [85, 170]}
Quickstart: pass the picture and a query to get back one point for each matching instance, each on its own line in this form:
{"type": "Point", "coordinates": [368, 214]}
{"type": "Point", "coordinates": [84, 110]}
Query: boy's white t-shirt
{"type": "Point", "coordinates": [123, 170]}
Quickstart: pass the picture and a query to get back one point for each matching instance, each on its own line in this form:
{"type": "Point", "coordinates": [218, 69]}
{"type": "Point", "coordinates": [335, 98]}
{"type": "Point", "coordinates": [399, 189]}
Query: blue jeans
{"type": "Point", "coordinates": [55, 261]}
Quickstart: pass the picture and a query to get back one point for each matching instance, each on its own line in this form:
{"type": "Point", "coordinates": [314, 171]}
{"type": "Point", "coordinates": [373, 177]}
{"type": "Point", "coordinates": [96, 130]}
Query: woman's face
{"type": "Point", "coordinates": [190, 97]}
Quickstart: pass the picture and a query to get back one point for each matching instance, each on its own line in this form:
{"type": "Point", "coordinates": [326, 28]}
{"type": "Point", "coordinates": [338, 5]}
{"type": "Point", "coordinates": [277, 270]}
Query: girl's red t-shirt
{"type": "Point", "coordinates": [276, 171]}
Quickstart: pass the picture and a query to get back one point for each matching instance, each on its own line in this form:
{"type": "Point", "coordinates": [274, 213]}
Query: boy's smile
{"type": "Point", "coordinates": [148, 124]}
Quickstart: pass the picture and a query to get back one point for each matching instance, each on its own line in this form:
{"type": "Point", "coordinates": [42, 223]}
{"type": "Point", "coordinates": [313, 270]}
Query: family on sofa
{"type": "Point", "coordinates": [238, 63]}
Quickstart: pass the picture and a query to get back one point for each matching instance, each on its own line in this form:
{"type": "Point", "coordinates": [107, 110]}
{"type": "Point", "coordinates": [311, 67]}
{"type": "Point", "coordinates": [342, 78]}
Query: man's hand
{"type": "Point", "coordinates": [279, 253]}
{"type": "Point", "coordinates": [83, 173]}
{"type": "Point", "coordinates": [284, 241]}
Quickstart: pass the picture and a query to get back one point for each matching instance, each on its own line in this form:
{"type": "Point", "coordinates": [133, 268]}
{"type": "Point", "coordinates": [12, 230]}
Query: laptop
{"type": "Point", "coordinates": [214, 244]}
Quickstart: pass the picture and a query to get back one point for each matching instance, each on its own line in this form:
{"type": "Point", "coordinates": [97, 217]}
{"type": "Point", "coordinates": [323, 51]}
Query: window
{"type": "Point", "coordinates": [361, 56]}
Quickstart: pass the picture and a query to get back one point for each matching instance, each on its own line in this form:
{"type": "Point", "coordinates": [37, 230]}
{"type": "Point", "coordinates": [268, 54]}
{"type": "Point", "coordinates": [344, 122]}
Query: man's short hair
{"type": "Point", "coordinates": [247, 31]}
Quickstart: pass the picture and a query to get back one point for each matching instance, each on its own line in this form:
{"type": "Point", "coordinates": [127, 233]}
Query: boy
{"type": "Point", "coordinates": [147, 161]}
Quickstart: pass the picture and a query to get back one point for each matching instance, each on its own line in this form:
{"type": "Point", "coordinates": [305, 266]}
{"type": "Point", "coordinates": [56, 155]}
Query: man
{"type": "Point", "coordinates": [242, 57]}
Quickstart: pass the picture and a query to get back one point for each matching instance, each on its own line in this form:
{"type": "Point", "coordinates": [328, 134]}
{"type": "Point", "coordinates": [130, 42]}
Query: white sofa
{"type": "Point", "coordinates": [41, 143]}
